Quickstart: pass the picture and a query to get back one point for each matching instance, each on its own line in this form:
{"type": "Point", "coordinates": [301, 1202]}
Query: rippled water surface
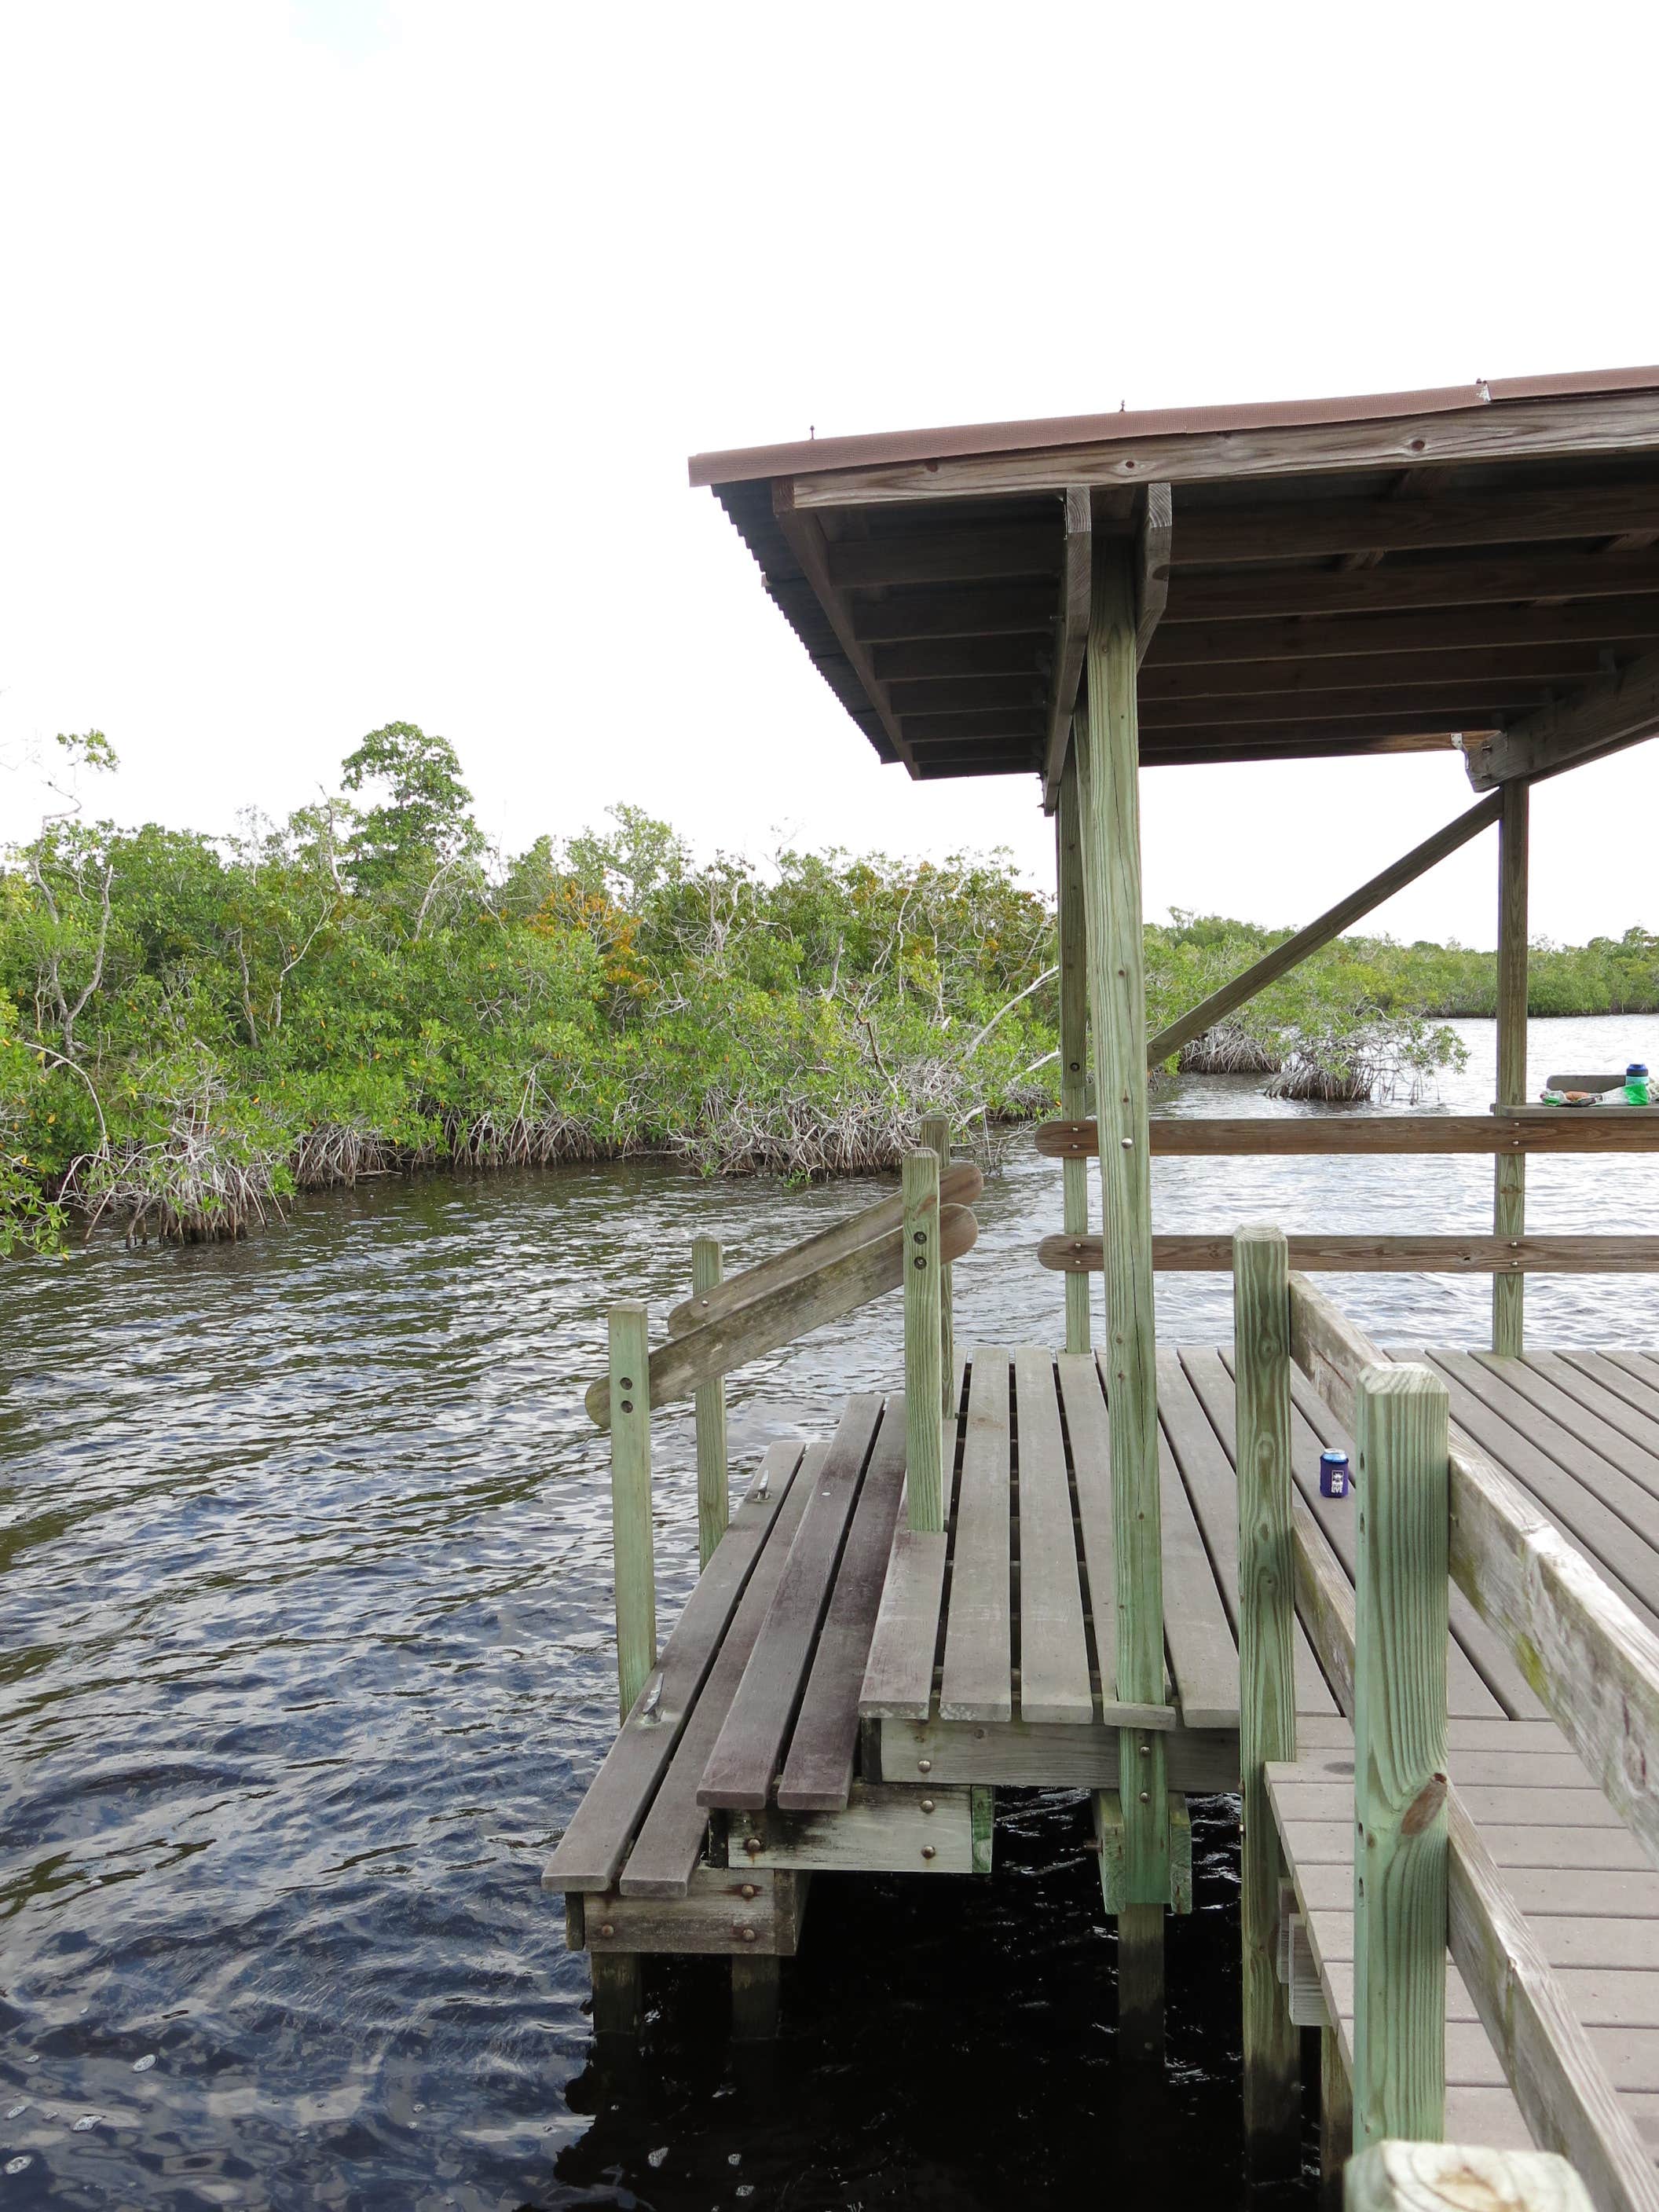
{"type": "Point", "coordinates": [306, 1658]}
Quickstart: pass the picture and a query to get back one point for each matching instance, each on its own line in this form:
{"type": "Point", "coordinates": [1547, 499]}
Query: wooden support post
{"type": "Point", "coordinates": [1073, 1036]}
{"type": "Point", "coordinates": [1335, 2119]}
{"type": "Point", "coordinates": [1508, 1217]}
{"type": "Point", "coordinates": [936, 1135]}
{"type": "Point", "coordinates": [755, 1989]}
{"type": "Point", "coordinates": [1107, 741]}
{"type": "Point", "coordinates": [923, 1346]}
{"type": "Point", "coordinates": [1140, 1982]}
{"type": "Point", "coordinates": [1419, 2177]}
{"type": "Point", "coordinates": [1266, 1684]}
{"type": "Point", "coordinates": [714, 1490]}
{"type": "Point", "coordinates": [1401, 1427]}
{"type": "Point", "coordinates": [631, 1501]}
{"type": "Point", "coordinates": [617, 1992]}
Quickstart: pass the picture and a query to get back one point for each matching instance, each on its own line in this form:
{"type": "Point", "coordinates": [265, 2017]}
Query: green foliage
{"type": "Point", "coordinates": [191, 1028]}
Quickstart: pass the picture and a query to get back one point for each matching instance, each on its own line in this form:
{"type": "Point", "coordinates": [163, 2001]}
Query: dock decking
{"type": "Point", "coordinates": [840, 1694]}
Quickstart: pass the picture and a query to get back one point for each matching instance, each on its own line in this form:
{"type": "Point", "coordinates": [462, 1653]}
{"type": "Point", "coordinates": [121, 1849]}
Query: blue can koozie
{"type": "Point", "coordinates": [1332, 1475]}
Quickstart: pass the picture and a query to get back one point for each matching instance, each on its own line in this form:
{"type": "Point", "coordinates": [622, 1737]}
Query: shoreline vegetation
{"type": "Point", "coordinates": [194, 1029]}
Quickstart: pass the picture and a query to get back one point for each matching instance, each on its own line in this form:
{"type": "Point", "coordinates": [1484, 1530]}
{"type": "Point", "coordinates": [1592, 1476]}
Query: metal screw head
{"type": "Point", "coordinates": [919, 1237]}
{"type": "Point", "coordinates": [1128, 1143]}
{"type": "Point", "coordinates": [928, 1851]}
{"type": "Point", "coordinates": [1146, 1796]}
{"type": "Point", "coordinates": [1145, 1750]}
{"type": "Point", "coordinates": [628, 1405]}
{"type": "Point", "coordinates": [748, 1934]}
{"type": "Point", "coordinates": [626, 1383]}
{"type": "Point", "coordinates": [919, 1261]}
{"type": "Point", "coordinates": [926, 1804]}
{"type": "Point", "coordinates": [750, 1890]}
{"type": "Point", "coordinates": [924, 1766]}
{"type": "Point", "coordinates": [606, 1928]}
{"type": "Point", "coordinates": [751, 1843]}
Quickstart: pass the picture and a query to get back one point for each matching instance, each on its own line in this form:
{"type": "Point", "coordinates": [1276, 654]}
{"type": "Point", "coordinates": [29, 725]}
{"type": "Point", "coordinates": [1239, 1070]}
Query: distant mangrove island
{"type": "Point", "coordinates": [194, 1028]}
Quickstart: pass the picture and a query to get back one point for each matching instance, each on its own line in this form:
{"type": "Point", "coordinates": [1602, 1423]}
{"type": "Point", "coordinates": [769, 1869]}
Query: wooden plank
{"type": "Point", "coordinates": [1602, 718]}
{"type": "Point", "coordinates": [898, 1677]}
{"type": "Point", "coordinates": [1071, 639]}
{"type": "Point", "coordinates": [1620, 1396]}
{"type": "Point", "coordinates": [977, 1682]}
{"type": "Point", "coordinates": [1317, 647]}
{"type": "Point", "coordinates": [804, 536]}
{"type": "Point", "coordinates": [1593, 1662]}
{"type": "Point", "coordinates": [1438, 2177]}
{"type": "Point", "coordinates": [885, 1828]}
{"type": "Point", "coordinates": [934, 1134]}
{"type": "Point", "coordinates": [749, 1748]}
{"type": "Point", "coordinates": [1266, 1693]}
{"type": "Point", "coordinates": [944, 556]}
{"type": "Point", "coordinates": [959, 1185]}
{"type": "Point", "coordinates": [1509, 1217]}
{"type": "Point", "coordinates": [1329, 925]}
{"type": "Point", "coordinates": [818, 1771]}
{"type": "Point", "coordinates": [1523, 516]}
{"type": "Point", "coordinates": [1073, 949]}
{"type": "Point", "coordinates": [1576, 1406]}
{"type": "Point", "coordinates": [631, 1533]}
{"type": "Point", "coordinates": [1200, 1448]}
{"type": "Point", "coordinates": [671, 1840]}
{"type": "Point", "coordinates": [1203, 1657]}
{"type": "Point", "coordinates": [1110, 817]}
{"type": "Point", "coordinates": [1516, 429]}
{"type": "Point", "coordinates": [727, 1910]}
{"type": "Point", "coordinates": [1027, 657]}
{"type": "Point", "coordinates": [1479, 704]}
{"type": "Point", "coordinates": [713, 1500]}
{"type": "Point", "coordinates": [1188, 1252]}
{"type": "Point", "coordinates": [1054, 1653]}
{"type": "Point", "coordinates": [593, 1847]}
{"type": "Point", "coordinates": [793, 1309]}
{"type": "Point", "coordinates": [1154, 541]}
{"type": "Point", "coordinates": [1562, 1129]}
{"type": "Point", "coordinates": [1008, 610]}
{"type": "Point", "coordinates": [1092, 1469]}
{"type": "Point", "coordinates": [1453, 674]}
{"type": "Point", "coordinates": [924, 1343]}
{"type": "Point", "coordinates": [1250, 594]}
{"type": "Point", "coordinates": [1024, 1755]}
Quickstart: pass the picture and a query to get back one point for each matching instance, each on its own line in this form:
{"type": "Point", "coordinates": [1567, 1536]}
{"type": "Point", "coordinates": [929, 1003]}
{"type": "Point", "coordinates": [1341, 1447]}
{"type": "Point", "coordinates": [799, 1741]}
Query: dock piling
{"type": "Point", "coordinates": [1400, 1428]}
{"type": "Point", "coordinates": [714, 1490]}
{"type": "Point", "coordinates": [1509, 1217]}
{"type": "Point", "coordinates": [630, 1500]}
{"type": "Point", "coordinates": [924, 1387]}
{"type": "Point", "coordinates": [1266, 1699]}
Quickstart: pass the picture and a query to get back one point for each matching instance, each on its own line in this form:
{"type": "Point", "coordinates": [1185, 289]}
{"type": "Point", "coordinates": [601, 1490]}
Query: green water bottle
{"type": "Point", "coordinates": [1635, 1085]}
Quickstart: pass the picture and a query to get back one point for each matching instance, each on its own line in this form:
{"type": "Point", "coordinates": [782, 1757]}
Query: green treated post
{"type": "Point", "coordinates": [713, 1493]}
{"type": "Point", "coordinates": [1074, 1035]}
{"type": "Point", "coordinates": [1399, 1756]}
{"type": "Point", "coordinates": [923, 1345]}
{"type": "Point", "coordinates": [630, 1500]}
{"type": "Point", "coordinates": [936, 1135]}
{"type": "Point", "coordinates": [1108, 786]}
{"type": "Point", "coordinates": [1509, 1215]}
{"type": "Point", "coordinates": [1267, 1681]}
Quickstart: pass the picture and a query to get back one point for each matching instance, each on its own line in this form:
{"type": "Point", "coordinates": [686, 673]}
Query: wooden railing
{"type": "Point", "coordinates": [906, 1242]}
{"type": "Point", "coordinates": [1431, 1508]}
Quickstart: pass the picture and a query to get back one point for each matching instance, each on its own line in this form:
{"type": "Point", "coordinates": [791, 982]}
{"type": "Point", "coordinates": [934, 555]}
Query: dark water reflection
{"type": "Point", "coordinates": [306, 1658]}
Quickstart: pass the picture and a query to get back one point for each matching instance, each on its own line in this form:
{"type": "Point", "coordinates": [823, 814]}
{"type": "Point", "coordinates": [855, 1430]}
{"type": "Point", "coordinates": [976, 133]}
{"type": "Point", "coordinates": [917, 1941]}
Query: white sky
{"type": "Point", "coordinates": [351, 353]}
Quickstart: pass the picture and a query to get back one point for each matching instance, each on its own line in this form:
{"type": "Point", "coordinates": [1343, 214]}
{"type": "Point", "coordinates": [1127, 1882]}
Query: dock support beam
{"type": "Point", "coordinates": [1266, 1683]}
{"type": "Point", "coordinates": [630, 1500]}
{"type": "Point", "coordinates": [1106, 740]}
{"type": "Point", "coordinates": [1401, 1427]}
{"type": "Point", "coordinates": [713, 1486]}
{"type": "Point", "coordinates": [1073, 1036]}
{"type": "Point", "coordinates": [1508, 1217]}
{"type": "Point", "coordinates": [924, 1472]}
{"type": "Point", "coordinates": [1335, 2119]}
{"type": "Point", "coordinates": [617, 1992]}
{"type": "Point", "coordinates": [936, 1135]}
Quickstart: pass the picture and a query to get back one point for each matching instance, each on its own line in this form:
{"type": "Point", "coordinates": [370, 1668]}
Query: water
{"type": "Point", "coordinates": [306, 1660]}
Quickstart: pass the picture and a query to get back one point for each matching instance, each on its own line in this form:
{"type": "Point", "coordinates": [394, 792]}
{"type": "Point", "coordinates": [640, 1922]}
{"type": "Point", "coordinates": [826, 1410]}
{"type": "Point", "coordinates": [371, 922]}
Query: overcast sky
{"type": "Point", "coordinates": [353, 350]}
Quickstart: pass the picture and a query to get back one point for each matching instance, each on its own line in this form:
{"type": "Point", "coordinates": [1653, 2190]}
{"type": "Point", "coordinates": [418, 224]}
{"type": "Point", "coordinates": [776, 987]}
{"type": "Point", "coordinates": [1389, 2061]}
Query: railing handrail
{"type": "Point", "coordinates": [1474, 1254]}
{"type": "Point", "coordinates": [959, 1184]}
{"type": "Point", "coordinates": [1510, 1129]}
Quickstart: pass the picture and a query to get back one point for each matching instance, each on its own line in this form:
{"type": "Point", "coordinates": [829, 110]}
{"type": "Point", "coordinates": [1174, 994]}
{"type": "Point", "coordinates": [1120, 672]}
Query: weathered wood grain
{"type": "Point", "coordinates": [713, 1500]}
{"type": "Point", "coordinates": [791, 1310]}
{"type": "Point", "coordinates": [818, 1771]}
{"type": "Point", "coordinates": [1071, 637]}
{"type": "Point", "coordinates": [924, 1342]}
{"type": "Point", "coordinates": [1054, 1653]}
{"type": "Point", "coordinates": [1203, 1657]}
{"type": "Point", "coordinates": [977, 1681]}
{"type": "Point", "coordinates": [747, 1752]}
{"type": "Point", "coordinates": [1045, 1756]}
{"type": "Point", "coordinates": [883, 1828]}
{"type": "Point", "coordinates": [1549, 1129]}
{"type": "Point", "coordinates": [1498, 1255]}
{"type": "Point", "coordinates": [1508, 1217]}
{"type": "Point", "coordinates": [1602, 717]}
{"type": "Point", "coordinates": [1401, 1755]}
{"type": "Point", "coordinates": [1091, 1471]}
{"type": "Point", "coordinates": [1438, 2177]}
{"type": "Point", "coordinates": [727, 1910]}
{"type": "Point", "coordinates": [1073, 1036]}
{"type": "Point", "coordinates": [960, 1184]}
{"type": "Point", "coordinates": [631, 1541]}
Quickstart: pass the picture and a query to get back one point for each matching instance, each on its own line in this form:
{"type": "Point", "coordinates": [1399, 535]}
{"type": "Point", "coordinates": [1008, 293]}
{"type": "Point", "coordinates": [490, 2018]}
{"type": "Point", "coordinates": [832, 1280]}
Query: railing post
{"type": "Point", "coordinates": [630, 1500]}
{"type": "Point", "coordinates": [1073, 1036]}
{"type": "Point", "coordinates": [1267, 1680]}
{"type": "Point", "coordinates": [1509, 1216]}
{"type": "Point", "coordinates": [714, 1497]}
{"type": "Point", "coordinates": [936, 1135]}
{"type": "Point", "coordinates": [1401, 1427]}
{"type": "Point", "coordinates": [923, 1346]}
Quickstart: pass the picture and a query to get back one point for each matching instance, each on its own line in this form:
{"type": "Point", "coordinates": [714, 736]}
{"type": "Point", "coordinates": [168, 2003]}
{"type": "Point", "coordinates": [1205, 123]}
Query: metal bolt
{"type": "Point", "coordinates": [919, 1237]}
{"type": "Point", "coordinates": [1146, 1796]}
{"type": "Point", "coordinates": [628, 1405]}
{"type": "Point", "coordinates": [928, 1851]}
{"type": "Point", "coordinates": [924, 1766]}
{"type": "Point", "coordinates": [606, 1928]}
{"type": "Point", "coordinates": [748, 1934]}
{"type": "Point", "coordinates": [626, 1383]}
{"type": "Point", "coordinates": [750, 1890]}
{"type": "Point", "coordinates": [1145, 1750]}
{"type": "Point", "coordinates": [918, 1261]}
{"type": "Point", "coordinates": [1128, 1143]}
{"type": "Point", "coordinates": [926, 1804]}
{"type": "Point", "coordinates": [751, 1843]}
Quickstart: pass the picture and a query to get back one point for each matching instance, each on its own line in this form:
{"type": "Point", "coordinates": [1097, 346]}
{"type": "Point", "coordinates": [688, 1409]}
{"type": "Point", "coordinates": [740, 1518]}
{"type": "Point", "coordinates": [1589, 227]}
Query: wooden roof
{"type": "Point", "coordinates": [1475, 567]}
